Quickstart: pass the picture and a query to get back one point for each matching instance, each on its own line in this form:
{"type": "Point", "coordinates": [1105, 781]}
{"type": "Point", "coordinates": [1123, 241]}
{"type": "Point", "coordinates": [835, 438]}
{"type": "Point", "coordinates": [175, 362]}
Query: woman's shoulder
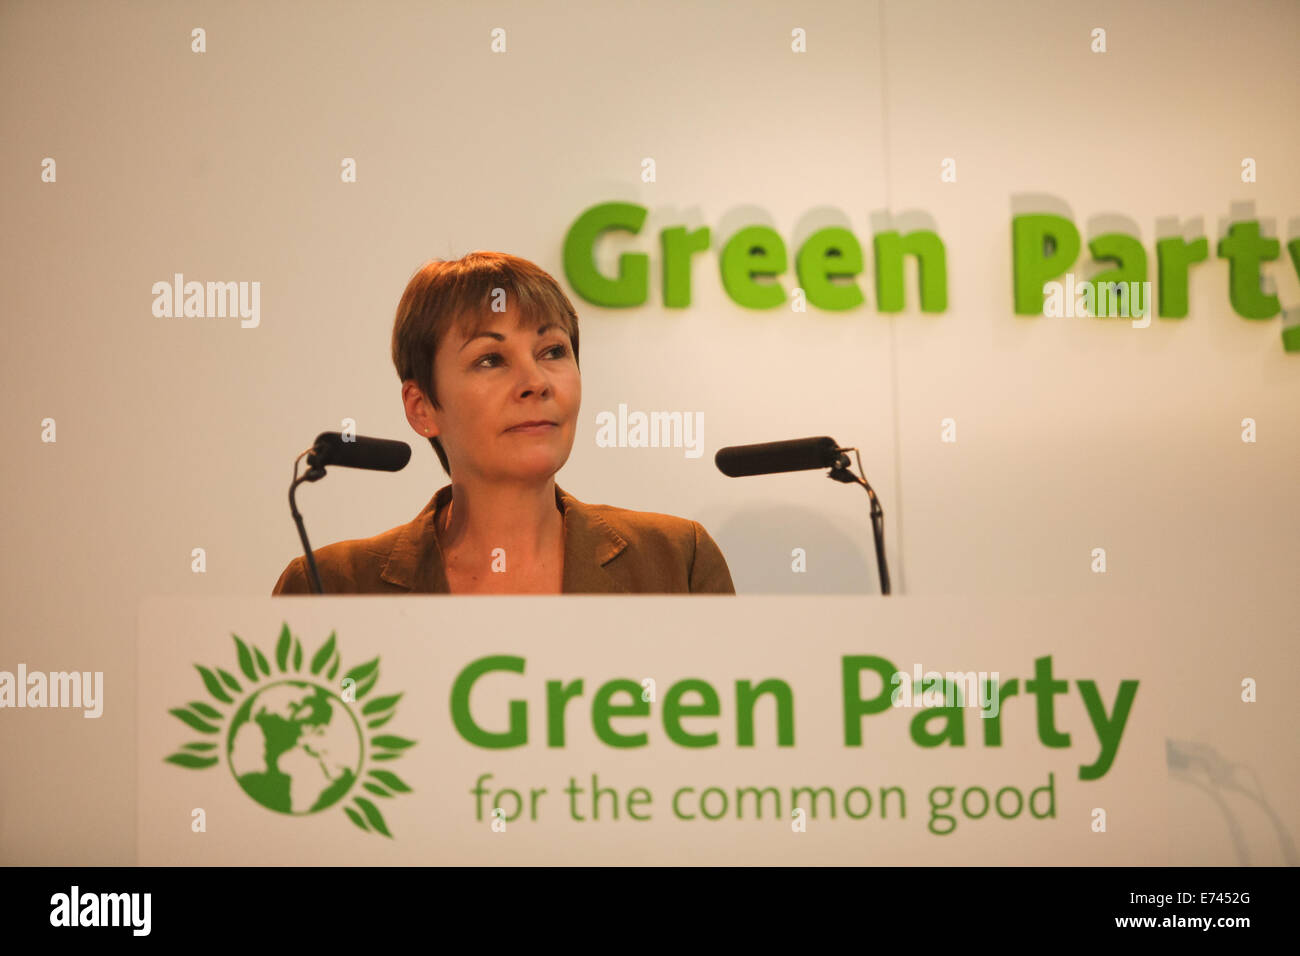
{"type": "Point", "coordinates": [345, 567]}
{"type": "Point", "coordinates": [667, 540]}
{"type": "Point", "coordinates": [637, 523]}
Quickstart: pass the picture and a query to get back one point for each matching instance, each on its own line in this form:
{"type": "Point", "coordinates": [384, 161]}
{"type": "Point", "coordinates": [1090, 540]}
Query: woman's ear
{"type": "Point", "coordinates": [419, 410]}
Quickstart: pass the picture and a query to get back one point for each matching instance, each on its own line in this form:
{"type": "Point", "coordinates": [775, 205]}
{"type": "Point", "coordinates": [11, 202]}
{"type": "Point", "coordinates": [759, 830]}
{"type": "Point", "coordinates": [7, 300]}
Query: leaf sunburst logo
{"type": "Point", "coordinates": [293, 744]}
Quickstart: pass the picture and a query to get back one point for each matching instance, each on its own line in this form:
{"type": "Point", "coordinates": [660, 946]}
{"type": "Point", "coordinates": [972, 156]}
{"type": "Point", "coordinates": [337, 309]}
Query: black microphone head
{"type": "Point", "coordinates": [775, 457]}
{"type": "Point", "coordinates": [375, 454]}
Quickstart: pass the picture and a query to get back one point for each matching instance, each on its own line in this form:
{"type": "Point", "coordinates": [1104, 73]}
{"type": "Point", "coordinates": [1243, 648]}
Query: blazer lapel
{"type": "Point", "coordinates": [416, 562]}
{"type": "Point", "coordinates": [589, 545]}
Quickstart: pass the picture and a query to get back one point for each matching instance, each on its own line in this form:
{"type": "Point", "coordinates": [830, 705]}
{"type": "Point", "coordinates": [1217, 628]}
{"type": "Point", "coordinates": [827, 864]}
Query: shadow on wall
{"type": "Point", "coordinates": [760, 542]}
{"type": "Point", "coordinates": [1223, 783]}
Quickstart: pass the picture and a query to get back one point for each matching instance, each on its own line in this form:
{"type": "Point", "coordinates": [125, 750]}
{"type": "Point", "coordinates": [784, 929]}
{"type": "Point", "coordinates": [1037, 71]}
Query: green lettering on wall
{"type": "Point", "coordinates": [1130, 266]}
{"type": "Point", "coordinates": [632, 285]}
{"type": "Point", "coordinates": [678, 247]}
{"type": "Point", "coordinates": [753, 251]}
{"type": "Point", "coordinates": [1244, 249]}
{"type": "Point", "coordinates": [931, 269]}
{"type": "Point", "coordinates": [1043, 247]}
{"type": "Point", "coordinates": [825, 255]}
{"type": "Point", "coordinates": [1173, 256]}
{"type": "Point", "coordinates": [1291, 336]}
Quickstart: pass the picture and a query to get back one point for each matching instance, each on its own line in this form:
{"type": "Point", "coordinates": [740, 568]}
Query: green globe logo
{"type": "Point", "coordinates": [291, 751]}
{"type": "Point", "coordinates": [296, 746]}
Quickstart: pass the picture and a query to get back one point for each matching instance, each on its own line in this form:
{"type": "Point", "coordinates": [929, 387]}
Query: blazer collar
{"type": "Point", "coordinates": [590, 543]}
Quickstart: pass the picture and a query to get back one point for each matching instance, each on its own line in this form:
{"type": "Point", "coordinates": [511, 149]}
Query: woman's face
{"type": "Point", "coordinates": [497, 380]}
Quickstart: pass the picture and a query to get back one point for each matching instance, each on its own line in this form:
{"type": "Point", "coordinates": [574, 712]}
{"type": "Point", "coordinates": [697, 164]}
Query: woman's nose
{"type": "Point", "coordinates": [532, 378]}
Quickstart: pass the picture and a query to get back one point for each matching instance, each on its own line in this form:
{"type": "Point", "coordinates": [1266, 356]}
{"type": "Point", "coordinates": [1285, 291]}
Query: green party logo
{"type": "Point", "coordinates": [292, 743]}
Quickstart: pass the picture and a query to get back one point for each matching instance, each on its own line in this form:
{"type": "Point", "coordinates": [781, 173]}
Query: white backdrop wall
{"type": "Point", "coordinates": [178, 433]}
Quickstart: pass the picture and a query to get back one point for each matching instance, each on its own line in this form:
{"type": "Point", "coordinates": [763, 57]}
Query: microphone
{"type": "Point", "coordinates": [807, 454]}
{"type": "Point", "coordinates": [375, 454]}
{"type": "Point", "coordinates": [775, 457]}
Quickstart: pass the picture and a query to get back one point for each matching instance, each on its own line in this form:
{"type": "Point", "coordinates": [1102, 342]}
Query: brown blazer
{"type": "Point", "coordinates": [606, 550]}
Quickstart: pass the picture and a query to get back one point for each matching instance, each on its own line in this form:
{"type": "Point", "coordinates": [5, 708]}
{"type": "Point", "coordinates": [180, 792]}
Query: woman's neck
{"type": "Point", "coordinates": [524, 520]}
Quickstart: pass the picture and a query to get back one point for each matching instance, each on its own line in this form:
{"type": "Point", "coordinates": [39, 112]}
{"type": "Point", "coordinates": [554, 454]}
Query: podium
{"type": "Point", "coordinates": [697, 729]}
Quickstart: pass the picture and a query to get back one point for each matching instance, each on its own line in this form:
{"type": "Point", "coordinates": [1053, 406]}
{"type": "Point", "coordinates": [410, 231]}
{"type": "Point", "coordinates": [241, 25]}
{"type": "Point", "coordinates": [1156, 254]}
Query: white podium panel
{"type": "Point", "coordinates": [710, 729]}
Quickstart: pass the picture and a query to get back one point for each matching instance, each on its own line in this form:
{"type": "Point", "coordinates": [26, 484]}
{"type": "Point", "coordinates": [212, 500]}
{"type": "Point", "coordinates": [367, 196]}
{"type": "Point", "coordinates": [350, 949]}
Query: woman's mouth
{"type": "Point", "coordinates": [532, 428]}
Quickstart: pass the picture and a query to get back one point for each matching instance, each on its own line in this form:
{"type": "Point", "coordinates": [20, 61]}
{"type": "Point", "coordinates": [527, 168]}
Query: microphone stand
{"type": "Point", "coordinates": [840, 472]}
{"type": "Point", "coordinates": [315, 473]}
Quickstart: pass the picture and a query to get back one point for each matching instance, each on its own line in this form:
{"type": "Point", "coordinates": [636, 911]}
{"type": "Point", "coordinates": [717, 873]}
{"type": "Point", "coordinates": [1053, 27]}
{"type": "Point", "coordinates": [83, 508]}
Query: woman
{"type": "Point", "coordinates": [487, 350]}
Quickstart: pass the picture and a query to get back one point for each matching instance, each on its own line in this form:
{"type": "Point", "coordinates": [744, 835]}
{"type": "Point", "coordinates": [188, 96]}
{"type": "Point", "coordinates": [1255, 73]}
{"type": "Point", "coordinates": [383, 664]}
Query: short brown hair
{"type": "Point", "coordinates": [447, 292]}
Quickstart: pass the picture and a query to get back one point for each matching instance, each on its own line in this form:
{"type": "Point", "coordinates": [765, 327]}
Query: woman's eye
{"type": "Point", "coordinates": [559, 351]}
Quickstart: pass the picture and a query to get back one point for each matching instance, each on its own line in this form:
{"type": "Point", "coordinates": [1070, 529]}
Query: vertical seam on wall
{"type": "Point", "coordinates": [893, 319]}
